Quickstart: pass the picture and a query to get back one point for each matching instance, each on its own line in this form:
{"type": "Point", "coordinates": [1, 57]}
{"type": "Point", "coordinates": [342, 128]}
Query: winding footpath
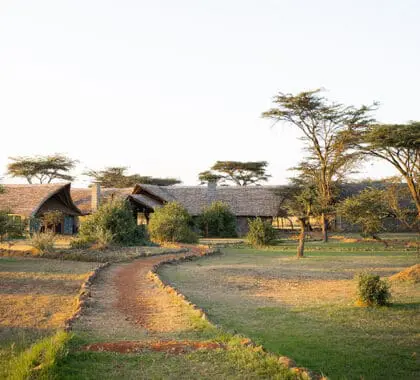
{"type": "Point", "coordinates": [127, 310]}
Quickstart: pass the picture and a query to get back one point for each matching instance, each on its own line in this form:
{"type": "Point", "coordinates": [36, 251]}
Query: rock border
{"type": "Point", "coordinates": [204, 251]}
{"type": "Point", "coordinates": [84, 294]}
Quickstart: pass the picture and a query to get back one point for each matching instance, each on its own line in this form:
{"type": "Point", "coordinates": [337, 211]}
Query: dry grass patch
{"type": "Point", "coordinates": [411, 274]}
{"type": "Point", "coordinates": [42, 312]}
{"type": "Point", "coordinates": [37, 296]}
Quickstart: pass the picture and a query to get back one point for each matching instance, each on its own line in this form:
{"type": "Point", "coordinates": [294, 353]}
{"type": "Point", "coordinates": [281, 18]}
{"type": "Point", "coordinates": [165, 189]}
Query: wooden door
{"type": "Point", "coordinates": [68, 225]}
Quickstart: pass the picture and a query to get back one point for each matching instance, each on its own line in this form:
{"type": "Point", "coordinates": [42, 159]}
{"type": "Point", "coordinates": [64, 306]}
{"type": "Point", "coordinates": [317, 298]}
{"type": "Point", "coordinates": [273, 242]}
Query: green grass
{"type": "Point", "coordinates": [319, 330]}
{"type": "Point", "coordinates": [237, 362]}
{"type": "Point", "coordinates": [39, 361]}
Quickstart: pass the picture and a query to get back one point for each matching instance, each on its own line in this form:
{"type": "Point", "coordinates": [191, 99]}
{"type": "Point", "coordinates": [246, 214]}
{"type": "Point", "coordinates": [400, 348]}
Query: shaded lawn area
{"type": "Point", "coordinates": [37, 296]}
{"type": "Point", "coordinates": [305, 308]}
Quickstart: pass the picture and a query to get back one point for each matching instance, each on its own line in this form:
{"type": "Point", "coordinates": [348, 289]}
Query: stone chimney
{"type": "Point", "coordinates": [211, 191]}
{"type": "Point", "coordinates": [96, 196]}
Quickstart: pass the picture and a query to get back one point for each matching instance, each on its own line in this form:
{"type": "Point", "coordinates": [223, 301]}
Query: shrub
{"type": "Point", "coordinates": [372, 290]}
{"type": "Point", "coordinates": [171, 223]}
{"type": "Point", "coordinates": [10, 226]}
{"type": "Point", "coordinates": [43, 241]}
{"type": "Point", "coordinates": [112, 218]}
{"type": "Point", "coordinates": [217, 221]}
{"type": "Point", "coordinates": [80, 243]}
{"type": "Point", "coordinates": [260, 233]}
{"type": "Point", "coordinates": [51, 219]}
{"type": "Point", "coordinates": [103, 238]}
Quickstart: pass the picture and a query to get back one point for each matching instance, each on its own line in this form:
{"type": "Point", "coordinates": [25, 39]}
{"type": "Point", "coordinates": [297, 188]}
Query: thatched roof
{"type": "Point", "coordinates": [146, 201]}
{"type": "Point", "coordinates": [243, 201]}
{"type": "Point", "coordinates": [83, 197]}
{"type": "Point", "coordinates": [27, 200]}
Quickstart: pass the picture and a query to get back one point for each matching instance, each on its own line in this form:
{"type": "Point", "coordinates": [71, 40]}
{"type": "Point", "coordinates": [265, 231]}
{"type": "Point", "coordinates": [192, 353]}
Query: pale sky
{"type": "Point", "coordinates": [169, 87]}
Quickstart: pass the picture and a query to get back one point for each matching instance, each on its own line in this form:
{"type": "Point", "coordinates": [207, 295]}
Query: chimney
{"type": "Point", "coordinates": [211, 191]}
{"type": "Point", "coordinates": [96, 196]}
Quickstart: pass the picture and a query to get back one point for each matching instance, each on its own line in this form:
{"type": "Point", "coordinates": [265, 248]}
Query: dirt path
{"type": "Point", "coordinates": [126, 305]}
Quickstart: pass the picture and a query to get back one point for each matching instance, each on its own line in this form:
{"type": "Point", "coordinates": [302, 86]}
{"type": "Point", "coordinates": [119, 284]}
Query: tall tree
{"type": "Point", "coordinates": [45, 169]}
{"type": "Point", "coordinates": [399, 145]}
{"type": "Point", "coordinates": [116, 177]}
{"type": "Point", "coordinates": [325, 130]}
{"type": "Point", "coordinates": [237, 172]}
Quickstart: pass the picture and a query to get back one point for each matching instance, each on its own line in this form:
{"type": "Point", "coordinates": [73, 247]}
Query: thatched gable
{"type": "Point", "coordinates": [146, 201]}
{"type": "Point", "coordinates": [32, 200]}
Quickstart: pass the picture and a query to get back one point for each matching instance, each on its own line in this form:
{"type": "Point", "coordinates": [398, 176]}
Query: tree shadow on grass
{"type": "Point", "coordinates": [405, 306]}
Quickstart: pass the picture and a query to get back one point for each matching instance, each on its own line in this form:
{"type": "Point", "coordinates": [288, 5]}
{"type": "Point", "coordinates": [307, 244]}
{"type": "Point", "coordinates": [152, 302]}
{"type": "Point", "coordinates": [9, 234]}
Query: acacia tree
{"type": "Point", "coordinates": [237, 172]}
{"type": "Point", "coordinates": [209, 176]}
{"type": "Point", "coordinates": [367, 209]}
{"type": "Point", "coordinates": [116, 177]}
{"type": "Point", "coordinates": [42, 168]}
{"type": "Point", "coordinates": [325, 128]}
{"type": "Point", "coordinates": [399, 145]}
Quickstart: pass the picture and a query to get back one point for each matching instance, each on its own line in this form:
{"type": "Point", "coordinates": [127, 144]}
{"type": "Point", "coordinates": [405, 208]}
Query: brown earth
{"type": "Point", "coordinates": [171, 347]}
{"type": "Point", "coordinates": [143, 303]}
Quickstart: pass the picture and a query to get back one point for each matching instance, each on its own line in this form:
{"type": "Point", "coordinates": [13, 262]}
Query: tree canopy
{"type": "Point", "coordinates": [325, 128]}
{"type": "Point", "coordinates": [368, 209]}
{"type": "Point", "coordinates": [209, 176]}
{"type": "Point", "coordinates": [236, 172]}
{"type": "Point", "coordinates": [116, 177]}
{"type": "Point", "coordinates": [399, 145]}
{"type": "Point", "coordinates": [45, 169]}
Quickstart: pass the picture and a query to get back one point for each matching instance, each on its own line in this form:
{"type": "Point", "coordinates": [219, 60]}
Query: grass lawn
{"type": "Point", "coordinates": [236, 362]}
{"type": "Point", "coordinates": [305, 308]}
{"type": "Point", "coordinates": [37, 295]}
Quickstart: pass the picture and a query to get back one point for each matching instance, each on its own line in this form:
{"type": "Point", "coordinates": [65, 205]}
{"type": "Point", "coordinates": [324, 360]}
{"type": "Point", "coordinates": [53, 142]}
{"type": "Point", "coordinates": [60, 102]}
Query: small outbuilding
{"type": "Point", "coordinates": [31, 202]}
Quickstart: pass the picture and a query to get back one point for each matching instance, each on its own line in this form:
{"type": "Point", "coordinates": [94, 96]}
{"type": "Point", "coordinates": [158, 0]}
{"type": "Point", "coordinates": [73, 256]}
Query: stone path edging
{"type": "Point", "coordinates": [84, 294]}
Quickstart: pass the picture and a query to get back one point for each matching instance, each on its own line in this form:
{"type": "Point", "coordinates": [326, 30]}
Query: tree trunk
{"type": "Point", "coordinates": [324, 226]}
{"type": "Point", "coordinates": [301, 245]}
{"type": "Point", "coordinates": [416, 197]}
{"type": "Point", "coordinates": [377, 238]}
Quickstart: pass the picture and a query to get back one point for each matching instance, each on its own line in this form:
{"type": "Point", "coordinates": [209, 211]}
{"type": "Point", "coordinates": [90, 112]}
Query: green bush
{"type": "Point", "coordinates": [80, 243]}
{"type": "Point", "coordinates": [114, 218]}
{"type": "Point", "coordinates": [217, 221]}
{"type": "Point", "coordinates": [171, 223]}
{"type": "Point", "coordinates": [43, 241]}
{"type": "Point", "coordinates": [103, 238]}
{"type": "Point", "coordinates": [260, 233]}
{"type": "Point", "coordinates": [372, 290]}
{"type": "Point", "coordinates": [10, 226]}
